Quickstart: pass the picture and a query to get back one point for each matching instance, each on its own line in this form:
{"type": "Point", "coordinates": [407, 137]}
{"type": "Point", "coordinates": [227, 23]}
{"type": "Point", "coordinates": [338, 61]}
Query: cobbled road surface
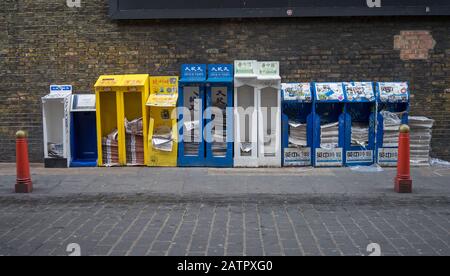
{"type": "Point", "coordinates": [248, 226]}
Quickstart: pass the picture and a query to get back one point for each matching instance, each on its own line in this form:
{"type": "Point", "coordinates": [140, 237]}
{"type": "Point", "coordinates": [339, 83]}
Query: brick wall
{"type": "Point", "coordinates": [44, 42]}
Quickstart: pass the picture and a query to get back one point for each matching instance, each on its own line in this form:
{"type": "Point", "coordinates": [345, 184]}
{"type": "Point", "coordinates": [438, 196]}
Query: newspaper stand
{"type": "Point", "coordinates": [329, 124]}
{"type": "Point", "coordinates": [219, 116]}
{"type": "Point", "coordinates": [133, 113]}
{"type": "Point", "coordinates": [393, 109]}
{"type": "Point", "coordinates": [109, 126]}
{"type": "Point", "coordinates": [56, 126]}
{"type": "Point", "coordinates": [245, 113]}
{"type": "Point", "coordinates": [83, 138]}
{"type": "Point", "coordinates": [269, 114]}
{"type": "Point", "coordinates": [360, 114]}
{"type": "Point", "coordinates": [297, 124]}
{"type": "Point", "coordinates": [163, 128]}
{"type": "Point", "coordinates": [191, 102]}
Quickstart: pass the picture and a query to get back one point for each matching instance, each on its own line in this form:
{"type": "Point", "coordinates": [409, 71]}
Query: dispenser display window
{"type": "Point", "coordinates": [135, 91]}
{"type": "Point", "coordinates": [360, 119]}
{"type": "Point", "coordinates": [109, 124]}
{"type": "Point", "coordinates": [245, 113]}
{"type": "Point", "coordinates": [219, 116]}
{"type": "Point", "coordinates": [191, 103]}
{"type": "Point", "coordinates": [297, 124]}
{"type": "Point", "coordinates": [393, 108]}
{"type": "Point", "coordinates": [329, 124]}
{"type": "Point", "coordinates": [269, 114]}
{"type": "Point", "coordinates": [163, 128]}
{"type": "Point", "coordinates": [56, 126]}
{"type": "Point", "coordinates": [83, 131]}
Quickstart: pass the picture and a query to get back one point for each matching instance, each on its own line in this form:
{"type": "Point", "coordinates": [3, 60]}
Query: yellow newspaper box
{"type": "Point", "coordinates": [135, 90]}
{"type": "Point", "coordinates": [108, 106]}
{"type": "Point", "coordinates": [163, 128]}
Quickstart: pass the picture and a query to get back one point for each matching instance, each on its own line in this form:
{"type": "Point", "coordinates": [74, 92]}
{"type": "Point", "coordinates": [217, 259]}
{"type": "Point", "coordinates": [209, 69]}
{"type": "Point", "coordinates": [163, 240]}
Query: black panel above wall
{"type": "Point", "coordinates": [160, 9]}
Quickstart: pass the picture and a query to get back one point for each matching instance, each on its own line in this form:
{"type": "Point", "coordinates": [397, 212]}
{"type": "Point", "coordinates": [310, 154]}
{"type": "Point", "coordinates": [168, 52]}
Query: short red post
{"type": "Point", "coordinates": [23, 182]}
{"type": "Point", "coordinates": [403, 180]}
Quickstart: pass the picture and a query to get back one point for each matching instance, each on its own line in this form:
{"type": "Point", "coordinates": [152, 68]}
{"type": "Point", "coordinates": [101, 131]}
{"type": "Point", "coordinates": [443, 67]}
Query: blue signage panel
{"type": "Point", "coordinates": [193, 72]}
{"type": "Point", "coordinates": [61, 88]}
{"type": "Point", "coordinates": [220, 72]}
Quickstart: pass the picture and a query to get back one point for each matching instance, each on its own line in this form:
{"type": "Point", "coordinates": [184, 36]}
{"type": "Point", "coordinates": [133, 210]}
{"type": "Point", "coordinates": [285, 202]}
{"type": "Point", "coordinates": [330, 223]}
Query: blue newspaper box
{"type": "Point", "coordinates": [219, 128]}
{"type": "Point", "coordinates": [83, 140]}
{"type": "Point", "coordinates": [329, 124]}
{"type": "Point", "coordinates": [297, 124]}
{"type": "Point", "coordinates": [360, 114]}
{"type": "Point", "coordinates": [393, 108]}
{"type": "Point", "coordinates": [191, 103]}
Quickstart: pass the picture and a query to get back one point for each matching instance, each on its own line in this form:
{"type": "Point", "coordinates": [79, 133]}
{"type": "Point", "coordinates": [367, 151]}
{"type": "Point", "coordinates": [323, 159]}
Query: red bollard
{"type": "Point", "coordinates": [23, 182]}
{"type": "Point", "coordinates": [403, 181]}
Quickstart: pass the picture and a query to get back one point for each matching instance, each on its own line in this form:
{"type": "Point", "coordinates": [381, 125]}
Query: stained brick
{"type": "Point", "coordinates": [44, 42]}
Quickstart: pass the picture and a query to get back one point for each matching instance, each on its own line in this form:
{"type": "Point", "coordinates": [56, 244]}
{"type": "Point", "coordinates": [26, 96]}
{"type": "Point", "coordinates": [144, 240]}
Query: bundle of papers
{"type": "Point", "coordinates": [134, 142]}
{"type": "Point", "coordinates": [110, 149]}
{"type": "Point", "coordinates": [219, 136]}
{"type": "Point", "coordinates": [420, 140]}
{"type": "Point", "coordinates": [360, 134]}
{"type": "Point", "coordinates": [329, 135]}
{"type": "Point", "coordinates": [191, 137]}
{"type": "Point", "coordinates": [134, 127]}
{"type": "Point", "coordinates": [297, 134]}
{"type": "Point", "coordinates": [391, 128]}
{"type": "Point", "coordinates": [162, 139]}
{"type": "Point", "coordinates": [55, 150]}
{"type": "Point", "coordinates": [135, 149]}
{"type": "Point", "coordinates": [246, 147]}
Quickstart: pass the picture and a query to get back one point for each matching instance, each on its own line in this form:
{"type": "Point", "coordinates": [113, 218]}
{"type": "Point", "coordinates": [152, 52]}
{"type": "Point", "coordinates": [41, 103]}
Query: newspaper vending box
{"type": "Point", "coordinates": [360, 117]}
{"type": "Point", "coordinates": [219, 116]}
{"type": "Point", "coordinates": [56, 126]}
{"type": "Point", "coordinates": [393, 108]}
{"type": "Point", "coordinates": [163, 128]}
{"type": "Point", "coordinates": [329, 124]}
{"type": "Point", "coordinates": [191, 102]}
{"type": "Point", "coordinates": [83, 138]}
{"type": "Point", "coordinates": [297, 124]}
{"type": "Point", "coordinates": [269, 114]}
{"type": "Point", "coordinates": [109, 127]}
{"type": "Point", "coordinates": [245, 113]}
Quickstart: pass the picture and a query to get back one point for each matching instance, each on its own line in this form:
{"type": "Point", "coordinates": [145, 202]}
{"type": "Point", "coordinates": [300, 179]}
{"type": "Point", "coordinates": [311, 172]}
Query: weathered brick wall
{"type": "Point", "coordinates": [44, 42]}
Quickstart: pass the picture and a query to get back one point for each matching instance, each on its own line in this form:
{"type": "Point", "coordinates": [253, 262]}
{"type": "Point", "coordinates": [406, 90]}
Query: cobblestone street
{"type": "Point", "coordinates": [251, 212]}
{"type": "Point", "coordinates": [148, 226]}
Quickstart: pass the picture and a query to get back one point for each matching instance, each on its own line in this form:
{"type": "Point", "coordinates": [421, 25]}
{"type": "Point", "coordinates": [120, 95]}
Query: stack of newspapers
{"type": "Point", "coordinates": [191, 137]}
{"type": "Point", "coordinates": [219, 135]}
{"type": "Point", "coordinates": [297, 135]}
{"type": "Point", "coordinates": [329, 135]}
{"type": "Point", "coordinates": [391, 128]}
{"type": "Point", "coordinates": [420, 140]}
{"type": "Point", "coordinates": [110, 149]}
{"type": "Point", "coordinates": [162, 138]}
{"type": "Point", "coordinates": [360, 134]}
{"type": "Point", "coordinates": [134, 141]}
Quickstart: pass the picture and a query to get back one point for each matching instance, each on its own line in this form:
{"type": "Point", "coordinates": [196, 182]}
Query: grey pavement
{"type": "Point", "coordinates": [188, 182]}
{"type": "Point", "coordinates": [244, 212]}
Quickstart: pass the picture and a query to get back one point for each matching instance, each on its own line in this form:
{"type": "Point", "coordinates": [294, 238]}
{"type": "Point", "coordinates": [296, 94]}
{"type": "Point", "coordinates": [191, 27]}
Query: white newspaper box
{"type": "Point", "coordinates": [56, 126]}
{"type": "Point", "coordinates": [269, 114]}
{"type": "Point", "coordinates": [245, 113]}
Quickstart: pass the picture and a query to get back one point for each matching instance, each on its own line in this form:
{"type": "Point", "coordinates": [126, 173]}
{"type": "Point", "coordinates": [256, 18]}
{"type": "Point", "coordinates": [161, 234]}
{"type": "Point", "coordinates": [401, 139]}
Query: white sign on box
{"type": "Point", "coordinates": [329, 157]}
{"type": "Point", "coordinates": [388, 156]}
{"type": "Point", "coordinates": [359, 156]}
{"type": "Point", "coordinates": [84, 102]}
{"type": "Point", "coordinates": [297, 157]}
